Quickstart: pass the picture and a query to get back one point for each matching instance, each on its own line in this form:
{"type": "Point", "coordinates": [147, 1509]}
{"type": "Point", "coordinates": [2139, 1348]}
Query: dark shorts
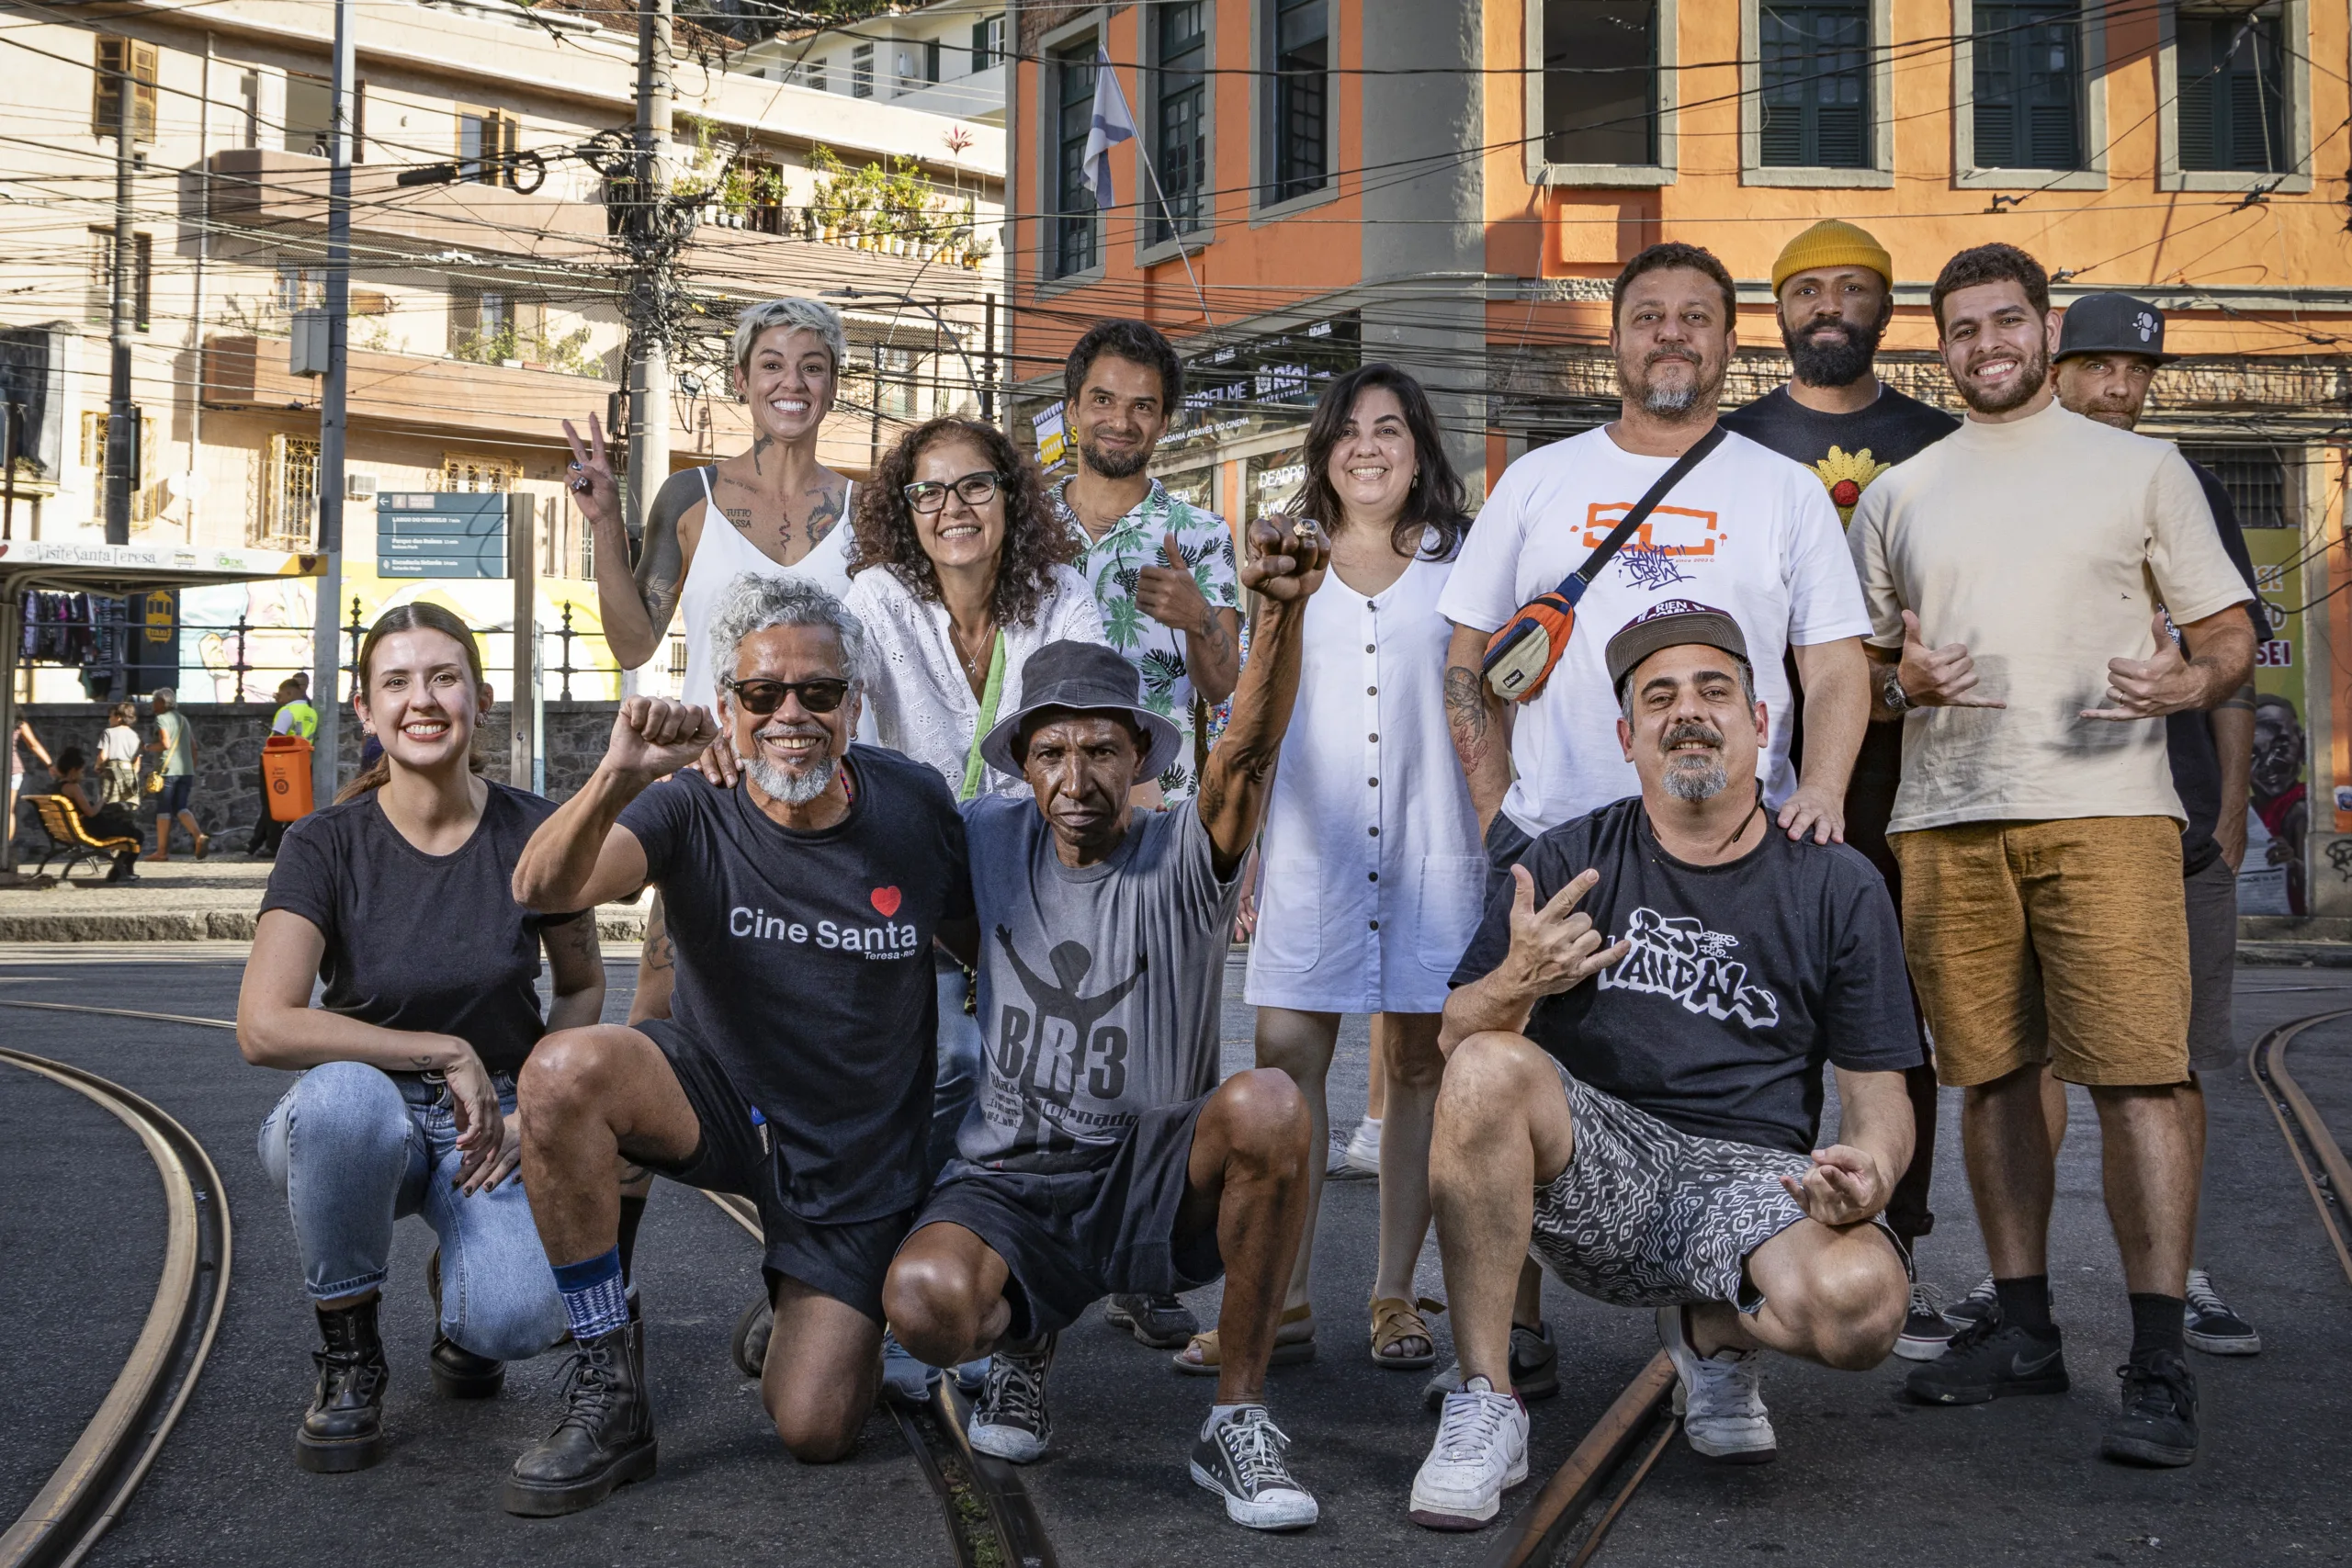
{"type": "Point", "coordinates": [844, 1261]}
{"type": "Point", "coordinates": [1071, 1237]}
{"type": "Point", "coordinates": [177, 788]}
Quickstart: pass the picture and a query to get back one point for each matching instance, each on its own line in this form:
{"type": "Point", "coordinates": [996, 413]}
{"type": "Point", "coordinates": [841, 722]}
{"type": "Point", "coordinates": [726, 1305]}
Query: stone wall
{"type": "Point", "coordinates": [229, 739]}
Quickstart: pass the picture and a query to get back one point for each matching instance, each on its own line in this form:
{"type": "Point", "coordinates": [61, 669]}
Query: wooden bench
{"type": "Point", "coordinates": [68, 837]}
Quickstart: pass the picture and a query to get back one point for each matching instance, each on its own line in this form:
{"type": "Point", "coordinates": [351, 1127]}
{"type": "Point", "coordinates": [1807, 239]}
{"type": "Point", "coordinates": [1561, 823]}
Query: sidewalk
{"type": "Point", "coordinates": [181, 899]}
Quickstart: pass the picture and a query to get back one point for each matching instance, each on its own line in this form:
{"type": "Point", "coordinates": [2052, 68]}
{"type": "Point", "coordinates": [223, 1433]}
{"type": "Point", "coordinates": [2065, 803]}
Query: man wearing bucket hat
{"type": "Point", "coordinates": [1633, 1086]}
{"type": "Point", "coordinates": [1835, 287]}
{"type": "Point", "coordinates": [1106, 1158]}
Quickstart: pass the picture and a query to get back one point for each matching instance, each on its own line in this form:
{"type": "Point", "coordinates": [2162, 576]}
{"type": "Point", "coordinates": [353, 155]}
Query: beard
{"type": "Point", "coordinates": [1839, 361]}
{"type": "Point", "coordinates": [1694, 778]}
{"type": "Point", "coordinates": [2018, 393]}
{"type": "Point", "coordinates": [782, 784]}
{"type": "Point", "coordinates": [1116, 465]}
{"type": "Point", "coordinates": [1672, 403]}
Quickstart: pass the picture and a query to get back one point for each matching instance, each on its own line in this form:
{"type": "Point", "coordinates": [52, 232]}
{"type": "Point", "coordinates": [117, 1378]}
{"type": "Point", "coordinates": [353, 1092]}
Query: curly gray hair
{"type": "Point", "coordinates": [754, 602]}
{"type": "Point", "coordinates": [792, 311]}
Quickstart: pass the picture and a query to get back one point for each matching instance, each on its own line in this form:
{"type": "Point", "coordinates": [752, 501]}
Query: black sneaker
{"type": "Point", "coordinates": [2158, 1423]}
{"type": "Point", "coordinates": [1981, 1302]}
{"type": "Point", "coordinates": [1534, 1369]}
{"type": "Point", "coordinates": [1989, 1359]}
{"type": "Point", "coordinates": [1164, 1323]}
{"type": "Point", "coordinates": [1008, 1419]}
{"type": "Point", "coordinates": [605, 1438]}
{"type": "Point", "coordinates": [2211, 1326]}
{"type": "Point", "coordinates": [1241, 1460]}
{"type": "Point", "coordinates": [1925, 1330]}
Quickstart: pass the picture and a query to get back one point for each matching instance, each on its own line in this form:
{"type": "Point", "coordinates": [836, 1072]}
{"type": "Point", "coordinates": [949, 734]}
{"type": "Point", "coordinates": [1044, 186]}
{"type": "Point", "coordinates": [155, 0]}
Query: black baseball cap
{"type": "Point", "coordinates": [1670, 623]}
{"type": "Point", "coordinates": [2112, 324]}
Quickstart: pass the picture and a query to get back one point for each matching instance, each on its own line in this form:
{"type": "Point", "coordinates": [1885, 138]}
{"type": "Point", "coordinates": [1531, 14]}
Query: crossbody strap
{"type": "Point", "coordinates": [975, 769]}
{"type": "Point", "coordinates": [1572, 586]}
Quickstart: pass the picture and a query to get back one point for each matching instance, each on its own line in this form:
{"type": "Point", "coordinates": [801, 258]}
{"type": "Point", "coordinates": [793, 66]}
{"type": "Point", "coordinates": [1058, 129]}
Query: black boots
{"type": "Point", "coordinates": [344, 1428]}
{"type": "Point", "coordinates": [457, 1372]}
{"type": "Point", "coordinates": [605, 1438]}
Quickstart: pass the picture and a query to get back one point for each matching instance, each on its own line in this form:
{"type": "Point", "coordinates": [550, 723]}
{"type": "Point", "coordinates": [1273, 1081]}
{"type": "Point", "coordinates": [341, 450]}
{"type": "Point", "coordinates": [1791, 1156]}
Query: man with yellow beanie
{"type": "Point", "coordinates": [1836, 288]}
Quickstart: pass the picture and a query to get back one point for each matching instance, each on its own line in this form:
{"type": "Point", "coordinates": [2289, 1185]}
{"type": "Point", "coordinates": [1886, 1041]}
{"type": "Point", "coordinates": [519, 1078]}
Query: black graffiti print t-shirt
{"type": "Point", "coordinates": [1744, 978]}
{"type": "Point", "coordinates": [1100, 986]}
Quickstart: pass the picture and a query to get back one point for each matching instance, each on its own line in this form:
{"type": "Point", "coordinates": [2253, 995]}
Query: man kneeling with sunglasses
{"type": "Point", "coordinates": [795, 1069]}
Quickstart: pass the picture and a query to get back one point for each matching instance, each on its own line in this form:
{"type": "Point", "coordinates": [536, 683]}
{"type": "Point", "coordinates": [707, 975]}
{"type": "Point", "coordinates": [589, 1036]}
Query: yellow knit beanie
{"type": "Point", "coordinates": [1832, 243]}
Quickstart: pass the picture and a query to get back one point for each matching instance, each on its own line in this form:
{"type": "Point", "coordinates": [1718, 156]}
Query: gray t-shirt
{"type": "Point", "coordinates": [1101, 987]}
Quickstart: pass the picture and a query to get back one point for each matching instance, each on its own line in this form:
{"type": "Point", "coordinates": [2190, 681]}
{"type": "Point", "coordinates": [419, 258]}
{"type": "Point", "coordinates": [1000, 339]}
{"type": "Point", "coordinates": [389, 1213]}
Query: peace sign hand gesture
{"type": "Point", "coordinates": [592, 485]}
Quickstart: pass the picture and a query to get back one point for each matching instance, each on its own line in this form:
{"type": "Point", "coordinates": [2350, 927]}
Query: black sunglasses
{"type": "Point", "coordinates": [763, 697]}
{"type": "Point", "coordinates": [927, 496]}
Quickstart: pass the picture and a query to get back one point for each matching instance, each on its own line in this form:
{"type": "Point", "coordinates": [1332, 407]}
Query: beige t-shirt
{"type": "Point", "coordinates": [2045, 544]}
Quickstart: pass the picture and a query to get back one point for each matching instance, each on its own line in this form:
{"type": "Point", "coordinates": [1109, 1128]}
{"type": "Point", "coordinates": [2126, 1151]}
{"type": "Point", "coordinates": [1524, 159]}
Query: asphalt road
{"type": "Point", "coordinates": [1861, 1476]}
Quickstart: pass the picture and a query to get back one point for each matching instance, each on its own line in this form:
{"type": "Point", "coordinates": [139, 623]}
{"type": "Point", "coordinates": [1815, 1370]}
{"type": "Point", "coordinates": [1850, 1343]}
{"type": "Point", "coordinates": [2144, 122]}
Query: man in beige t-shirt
{"type": "Point", "coordinates": [2014, 572]}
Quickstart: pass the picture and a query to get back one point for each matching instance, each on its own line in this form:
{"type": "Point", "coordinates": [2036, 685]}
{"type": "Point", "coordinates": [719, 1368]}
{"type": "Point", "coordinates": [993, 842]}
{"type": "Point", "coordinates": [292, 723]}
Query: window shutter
{"type": "Point", "coordinates": [1784, 134]}
{"type": "Point", "coordinates": [2195, 108]}
{"type": "Point", "coordinates": [1839, 136]}
{"type": "Point", "coordinates": [2052, 139]}
{"type": "Point", "coordinates": [1996, 146]}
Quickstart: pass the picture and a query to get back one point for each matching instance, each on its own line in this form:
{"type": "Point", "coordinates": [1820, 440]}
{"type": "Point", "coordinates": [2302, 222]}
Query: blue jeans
{"type": "Point", "coordinates": [354, 1149]}
{"type": "Point", "coordinates": [956, 1093]}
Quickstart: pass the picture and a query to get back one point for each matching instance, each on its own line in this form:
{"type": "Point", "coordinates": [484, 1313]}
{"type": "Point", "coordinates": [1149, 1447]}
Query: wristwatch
{"type": "Point", "coordinates": [1891, 692]}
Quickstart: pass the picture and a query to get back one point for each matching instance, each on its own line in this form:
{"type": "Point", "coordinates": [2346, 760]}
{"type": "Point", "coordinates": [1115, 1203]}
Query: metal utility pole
{"type": "Point", "coordinates": [651, 245]}
{"type": "Point", "coordinates": [122, 415]}
{"type": "Point", "coordinates": [327, 637]}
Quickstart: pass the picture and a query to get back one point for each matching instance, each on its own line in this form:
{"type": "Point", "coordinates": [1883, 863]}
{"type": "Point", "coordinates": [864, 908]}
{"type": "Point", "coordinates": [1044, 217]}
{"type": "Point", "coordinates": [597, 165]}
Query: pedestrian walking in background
{"type": "Point", "coordinates": [21, 741]}
{"type": "Point", "coordinates": [2109, 348]}
{"type": "Point", "coordinates": [105, 820]}
{"type": "Point", "coordinates": [119, 757]}
{"type": "Point", "coordinates": [294, 716]}
{"type": "Point", "coordinates": [1162, 569]}
{"type": "Point", "coordinates": [1373, 873]}
{"type": "Point", "coordinates": [175, 740]}
{"type": "Point", "coordinates": [2013, 571]}
{"type": "Point", "coordinates": [1834, 286]}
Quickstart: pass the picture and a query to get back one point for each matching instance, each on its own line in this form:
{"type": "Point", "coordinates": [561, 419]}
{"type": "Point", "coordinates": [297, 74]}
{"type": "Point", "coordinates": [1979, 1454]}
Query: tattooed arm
{"type": "Point", "coordinates": [1212, 654]}
{"type": "Point", "coordinates": [1479, 721]}
{"type": "Point", "coordinates": [637, 607]}
{"type": "Point", "coordinates": [657, 967]}
{"type": "Point", "coordinates": [575, 971]}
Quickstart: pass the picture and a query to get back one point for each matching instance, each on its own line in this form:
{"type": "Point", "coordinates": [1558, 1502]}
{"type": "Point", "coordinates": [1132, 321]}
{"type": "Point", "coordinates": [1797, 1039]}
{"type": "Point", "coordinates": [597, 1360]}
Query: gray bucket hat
{"type": "Point", "coordinates": [1083, 677]}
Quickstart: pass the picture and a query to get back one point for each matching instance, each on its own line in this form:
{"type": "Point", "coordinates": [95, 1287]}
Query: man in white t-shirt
{"type": "Point", "coordinates": [1746, 530]}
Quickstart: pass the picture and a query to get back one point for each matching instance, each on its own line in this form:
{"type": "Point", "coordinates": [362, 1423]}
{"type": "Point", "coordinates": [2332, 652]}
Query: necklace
{"type": "Point", "coordinates": [973, 669]}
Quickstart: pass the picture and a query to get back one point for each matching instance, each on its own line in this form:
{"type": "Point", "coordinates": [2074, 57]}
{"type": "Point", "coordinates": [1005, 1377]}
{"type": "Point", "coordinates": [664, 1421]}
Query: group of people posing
{"type": "Point", "coordinates": [1717, 753]}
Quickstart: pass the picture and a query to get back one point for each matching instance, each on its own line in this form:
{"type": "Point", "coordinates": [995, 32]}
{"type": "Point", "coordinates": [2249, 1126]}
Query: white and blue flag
{"type": "Point", "coordinates": [1112, 124]}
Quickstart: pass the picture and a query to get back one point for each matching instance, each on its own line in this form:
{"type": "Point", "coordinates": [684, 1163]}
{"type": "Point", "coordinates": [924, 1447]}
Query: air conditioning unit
{"type": "Point", "coordinates": [359, 487]}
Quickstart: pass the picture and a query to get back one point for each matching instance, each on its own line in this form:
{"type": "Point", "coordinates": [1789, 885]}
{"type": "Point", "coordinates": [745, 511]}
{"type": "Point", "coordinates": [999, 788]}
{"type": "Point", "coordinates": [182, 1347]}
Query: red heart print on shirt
{"type": "Point", "coordinates": [886, 899]}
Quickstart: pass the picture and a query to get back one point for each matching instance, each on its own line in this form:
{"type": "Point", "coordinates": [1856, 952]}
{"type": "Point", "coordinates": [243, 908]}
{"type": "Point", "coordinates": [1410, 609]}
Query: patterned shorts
{"type": "Point", "coordinates": [1645, 1215]}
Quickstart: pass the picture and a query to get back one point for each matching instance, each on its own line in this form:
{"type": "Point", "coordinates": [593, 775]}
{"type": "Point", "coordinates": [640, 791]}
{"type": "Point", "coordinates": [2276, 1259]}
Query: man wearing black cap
{"type": "Point", "coordinates": [1632, 1083]}
{"type": "Point", "coordinates": [1106, 1158]}
{"type": "Point", "coordinates": [2109, 348]}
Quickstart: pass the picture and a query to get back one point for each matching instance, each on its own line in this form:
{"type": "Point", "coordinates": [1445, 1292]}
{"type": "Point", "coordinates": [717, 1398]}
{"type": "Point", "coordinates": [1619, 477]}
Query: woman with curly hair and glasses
{"type": "Point", "coordinates": [961, 573]}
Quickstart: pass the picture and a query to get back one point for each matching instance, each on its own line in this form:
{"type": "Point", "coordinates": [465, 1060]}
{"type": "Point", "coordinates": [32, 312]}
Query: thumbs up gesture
{"type": "Point", "coordinates": [1938, 677]}
{"type": "Point", "coordinates": [1169, 594]}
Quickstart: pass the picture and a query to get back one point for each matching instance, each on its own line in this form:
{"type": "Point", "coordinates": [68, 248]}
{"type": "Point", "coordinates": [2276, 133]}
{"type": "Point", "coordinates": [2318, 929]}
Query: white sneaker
{"type": "Point", "coordinates": [1720, 1397]}
{"type": "Point", "coordinates": [1363, 1148]}
{"type": "Point", "coordinates": [1240, 1457]}
{"type": "Point", "coordinates": [1480, 1453]}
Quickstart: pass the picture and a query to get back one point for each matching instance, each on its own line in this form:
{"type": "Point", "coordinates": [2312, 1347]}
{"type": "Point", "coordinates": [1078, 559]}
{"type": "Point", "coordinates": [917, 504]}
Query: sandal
{"type": "Point", "coordinates": [1288, 1352]}
{"type": "Point", "coordinates": [1394, 1321]}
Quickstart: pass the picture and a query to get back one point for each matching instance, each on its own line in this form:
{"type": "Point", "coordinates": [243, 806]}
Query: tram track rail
{"type": "Point", "coordinates": [88, 1491]}
{"type": "Point", "coordinates": [2319, 1158]}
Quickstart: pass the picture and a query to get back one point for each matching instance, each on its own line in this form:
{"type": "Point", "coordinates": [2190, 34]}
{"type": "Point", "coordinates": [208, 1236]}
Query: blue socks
{"type": "Point", "coordinates": [593, 1296]}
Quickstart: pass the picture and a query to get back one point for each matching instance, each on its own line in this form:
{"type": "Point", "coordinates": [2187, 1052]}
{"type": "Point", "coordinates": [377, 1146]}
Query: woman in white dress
{"type": "Point", "coordinates": [1373, 870]}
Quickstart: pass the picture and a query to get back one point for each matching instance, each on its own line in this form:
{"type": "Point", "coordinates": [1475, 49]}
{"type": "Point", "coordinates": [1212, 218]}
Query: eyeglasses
{"type": "Point", "coordinates": [928, 496]}
{"type": "Point", "coordinates": [763, 697]}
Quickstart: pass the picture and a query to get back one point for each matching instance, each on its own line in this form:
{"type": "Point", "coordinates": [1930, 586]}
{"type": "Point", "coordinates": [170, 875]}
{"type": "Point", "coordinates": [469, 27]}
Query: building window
{"type": "Point", "coordinates": [1071, 242]}
{"type": "Point", "coordinates": [105, 99]}
{"type": "Point", "coordinates": [2232, 92]}
{"type": "Point", "coordinates": [487, 142]}
{"type": "Point", "coordinates": [2256, 478]}
{"type": "Point", "coordinates": [930, 60]}
{"type": "Point", "coordinates": [861, 72]}
{"type": "Point", "coordinates": [1600, 82]}
{"type": "Point", "coordinates": [1180, 129]}
{"type": "Point", "coordinates": [895, 371]}
{"type": "Point", "coordinates": [816, 76]}
{"type": "Point", "coordinates": [290, 494]}
{"type": "Point", "coordinates": [464, 474]}
{"type": "Point", "coordinates": [2027, 98]}
{"type": "Point", "coordinates": [1815, 86]}
{"type": "Point", "coordinates": [149, 496]}
{"type": "Point", "coordinates": [1299, 129]}
{"type": "Point", "coordinates": [100, 296]}
{"type": "Point", "coordinates": [988, 42]}
{"type": "Point", "coordinates": [490, 326]}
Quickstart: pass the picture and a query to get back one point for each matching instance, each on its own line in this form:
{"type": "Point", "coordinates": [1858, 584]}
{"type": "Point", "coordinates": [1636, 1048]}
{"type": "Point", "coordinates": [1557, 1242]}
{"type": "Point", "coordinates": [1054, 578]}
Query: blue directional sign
{"type": "Point", "coordinates": [441, 533]}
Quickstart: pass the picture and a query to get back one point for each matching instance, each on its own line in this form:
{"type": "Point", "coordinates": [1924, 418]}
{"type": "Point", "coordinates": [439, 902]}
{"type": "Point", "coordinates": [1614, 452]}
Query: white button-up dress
{"type": "Point", "coordinates": [1374, 875]}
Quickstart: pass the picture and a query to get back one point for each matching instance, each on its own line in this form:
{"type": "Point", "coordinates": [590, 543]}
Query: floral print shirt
{"type": "Point", "coordinates": [1114, 564]}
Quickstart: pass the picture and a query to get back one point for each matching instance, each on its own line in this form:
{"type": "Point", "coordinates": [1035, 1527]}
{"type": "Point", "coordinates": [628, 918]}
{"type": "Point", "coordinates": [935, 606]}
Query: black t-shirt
{"type": "Point", "coordinates": [2188, 737]}
{"type": "Point", "coordinates": [1893, 429]}
{"type": "Point", "coordinates": [804, 967]}
{"type": "Point", "coordinates": [432, 943]}
{"type": "Point", "coordinates": [1744, 978]}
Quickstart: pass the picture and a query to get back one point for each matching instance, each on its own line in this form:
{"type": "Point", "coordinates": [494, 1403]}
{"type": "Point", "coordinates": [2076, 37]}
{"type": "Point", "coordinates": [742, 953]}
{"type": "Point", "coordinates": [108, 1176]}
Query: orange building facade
{"type": "Point", "coordinates": [1452, 185]}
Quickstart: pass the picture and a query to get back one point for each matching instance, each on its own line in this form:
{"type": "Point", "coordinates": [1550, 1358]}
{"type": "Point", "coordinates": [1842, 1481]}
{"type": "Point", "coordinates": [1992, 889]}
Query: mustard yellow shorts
{"type": "Point", "coordinates": [2063, 941]}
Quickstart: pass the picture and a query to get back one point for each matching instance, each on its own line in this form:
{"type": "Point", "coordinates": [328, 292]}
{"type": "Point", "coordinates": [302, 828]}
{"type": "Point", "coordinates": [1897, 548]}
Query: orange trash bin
{"type": "Point", "coordinates": [285, 769]}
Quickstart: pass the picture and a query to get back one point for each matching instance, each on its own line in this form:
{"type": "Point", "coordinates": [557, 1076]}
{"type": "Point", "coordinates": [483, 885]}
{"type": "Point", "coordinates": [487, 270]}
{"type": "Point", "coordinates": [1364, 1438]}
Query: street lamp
{"type": "Point", "coordinates": [970, 374]}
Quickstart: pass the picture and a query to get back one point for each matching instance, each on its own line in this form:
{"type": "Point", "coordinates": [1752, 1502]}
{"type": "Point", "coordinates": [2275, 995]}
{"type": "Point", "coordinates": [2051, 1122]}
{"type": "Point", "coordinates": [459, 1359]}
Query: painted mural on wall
{"type": "Point", "coordinates": [2271, 877]}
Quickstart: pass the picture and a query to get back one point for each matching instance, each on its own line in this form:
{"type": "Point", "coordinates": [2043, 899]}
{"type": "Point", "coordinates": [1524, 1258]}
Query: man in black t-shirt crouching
{"type": "Point", "coordinates": [796, 1068]}
{"type": "Point", "coordinates": [1632, 1089]}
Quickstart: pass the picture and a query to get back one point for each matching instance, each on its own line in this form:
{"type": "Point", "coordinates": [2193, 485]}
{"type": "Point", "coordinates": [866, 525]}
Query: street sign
{"type": "Point", "coordinates": [441, 533]}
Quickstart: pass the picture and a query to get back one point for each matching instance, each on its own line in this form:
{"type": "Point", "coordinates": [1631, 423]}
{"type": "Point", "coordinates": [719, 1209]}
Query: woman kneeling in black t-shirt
{"type": "Point", "coordinates": [398, 898]}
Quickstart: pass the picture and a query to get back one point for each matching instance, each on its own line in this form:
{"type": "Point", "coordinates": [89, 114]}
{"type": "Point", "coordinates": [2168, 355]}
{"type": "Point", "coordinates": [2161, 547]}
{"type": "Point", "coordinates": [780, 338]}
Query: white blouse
{"type": "Point", "coordinates": [1373, 877]}
{"type": "Point", "coordinates": [916, 693]}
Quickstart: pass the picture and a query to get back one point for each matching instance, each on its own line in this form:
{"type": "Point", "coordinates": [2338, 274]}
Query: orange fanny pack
{"type": "Point", "coordinates": [1521, 656]}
